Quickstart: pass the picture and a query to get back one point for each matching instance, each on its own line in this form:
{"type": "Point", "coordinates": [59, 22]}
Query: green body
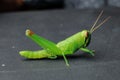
{"type": "Point", "coordinates": [67, 47]}
{"type": "Point", "coordinates": [72, 43]}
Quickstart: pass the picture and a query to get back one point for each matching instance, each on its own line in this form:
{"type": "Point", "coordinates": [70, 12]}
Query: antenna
{"type": "Point", "coordinates": [96, 20]}
{"type": "Point", "coordinates": [101, 24]}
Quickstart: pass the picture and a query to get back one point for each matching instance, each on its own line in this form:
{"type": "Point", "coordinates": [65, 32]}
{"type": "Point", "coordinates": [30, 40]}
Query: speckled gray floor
{"type": "Point", "coordinates": [57, 25]}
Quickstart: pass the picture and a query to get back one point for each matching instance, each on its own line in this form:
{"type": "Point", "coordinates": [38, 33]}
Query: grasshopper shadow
{"type": "Point", "coordinates": [78, 56]}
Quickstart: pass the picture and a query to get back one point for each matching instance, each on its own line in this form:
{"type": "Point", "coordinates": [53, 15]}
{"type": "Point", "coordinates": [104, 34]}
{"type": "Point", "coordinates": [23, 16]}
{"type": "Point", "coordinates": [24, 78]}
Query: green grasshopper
{"type": "Point", "coordinates": [69, 46]}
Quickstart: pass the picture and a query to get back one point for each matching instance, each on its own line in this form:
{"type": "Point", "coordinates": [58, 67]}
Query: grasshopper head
{"type": "Point", "coordinates": [87, 33]}
{"type": "Point", "coordinates": [87, 36]}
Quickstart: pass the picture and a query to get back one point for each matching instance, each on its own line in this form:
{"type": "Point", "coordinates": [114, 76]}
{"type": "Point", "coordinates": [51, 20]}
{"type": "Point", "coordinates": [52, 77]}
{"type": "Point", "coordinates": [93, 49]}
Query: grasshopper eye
{"type": "Point", "coordinates": [87, 35]}
{"type": "Point", "coordinates": [87, 38]}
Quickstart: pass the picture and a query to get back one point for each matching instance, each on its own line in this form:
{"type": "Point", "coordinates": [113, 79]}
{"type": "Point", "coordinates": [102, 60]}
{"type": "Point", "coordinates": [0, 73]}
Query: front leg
{"type": "Point", "coordinates": [88, 51]}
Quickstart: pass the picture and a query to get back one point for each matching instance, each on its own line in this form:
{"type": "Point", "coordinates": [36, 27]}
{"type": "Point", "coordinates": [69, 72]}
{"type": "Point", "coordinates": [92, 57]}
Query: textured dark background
{"type": "Point", "coordinates": [83, 4]}
{"type": "Point", "coordinates": [17, 5]}
{"type": "Point", "coordinates": [56, 25]}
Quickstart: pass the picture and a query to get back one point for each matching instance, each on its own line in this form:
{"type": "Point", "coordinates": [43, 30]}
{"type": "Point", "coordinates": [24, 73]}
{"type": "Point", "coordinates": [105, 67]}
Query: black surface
{"type": "Point", "coordinates": [57, 25]}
